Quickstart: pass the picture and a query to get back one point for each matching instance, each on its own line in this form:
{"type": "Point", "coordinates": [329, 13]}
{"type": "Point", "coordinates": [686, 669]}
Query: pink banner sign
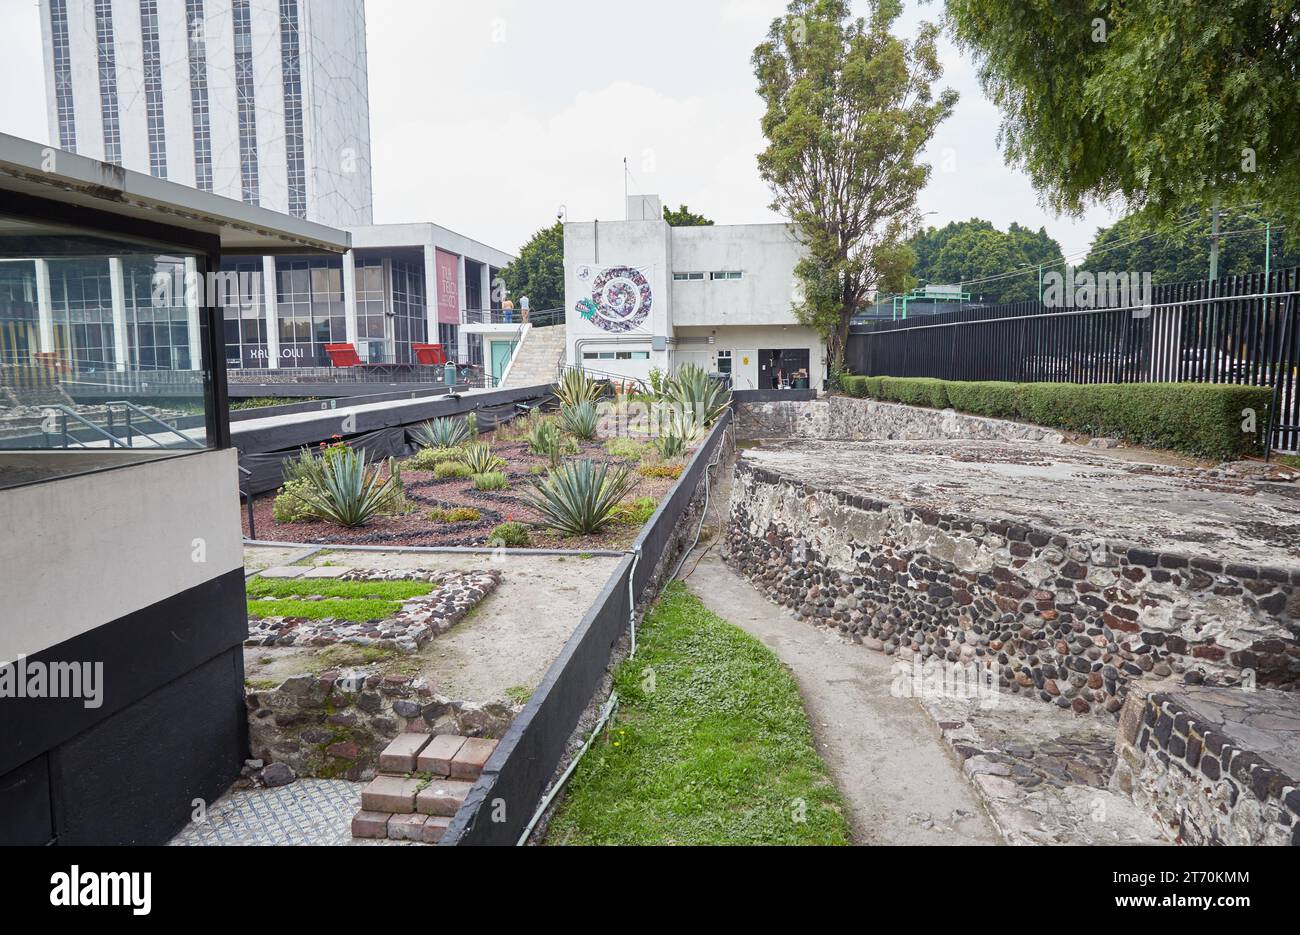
{"type": "Point", "coordinates": [447, 271]}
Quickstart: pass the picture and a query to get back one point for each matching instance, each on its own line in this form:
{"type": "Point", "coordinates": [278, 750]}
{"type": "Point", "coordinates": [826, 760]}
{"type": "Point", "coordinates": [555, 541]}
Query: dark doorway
{"type": "Point", "coordinates": [783, 368]}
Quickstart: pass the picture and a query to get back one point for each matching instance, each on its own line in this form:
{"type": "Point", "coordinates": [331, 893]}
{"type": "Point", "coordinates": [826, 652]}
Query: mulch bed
{"type": "Point", "coordinates": [425, 492]}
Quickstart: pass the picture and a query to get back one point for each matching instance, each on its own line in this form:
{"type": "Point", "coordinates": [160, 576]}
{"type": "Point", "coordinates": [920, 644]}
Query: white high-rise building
{"type": "Point", "coordinates": [265, 101]}
{"type": "Point", "coordinates": [260, 100]}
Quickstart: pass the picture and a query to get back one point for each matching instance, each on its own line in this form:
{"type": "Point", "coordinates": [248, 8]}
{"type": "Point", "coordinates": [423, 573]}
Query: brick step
{"type": "Point", "coordinates": [404, 805]}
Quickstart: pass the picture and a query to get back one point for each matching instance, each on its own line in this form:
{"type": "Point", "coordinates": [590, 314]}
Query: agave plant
{"type": "Point", "coordinates": [580, 497]}
{"type": "Point", "coordinates": [442, 433]}
{"type": "Point", "coordinates": [579, 419]}
{"type": "Point", "coordinates": [345, 488]}
{"type": "Point", "coordinates": [575, 387]}
{"type": "Point", "coordinates": [670, 445]}
{"type": "Point", "coordinates": [694, 401]}
{"type": "Point", "coordinates": [479, 458]}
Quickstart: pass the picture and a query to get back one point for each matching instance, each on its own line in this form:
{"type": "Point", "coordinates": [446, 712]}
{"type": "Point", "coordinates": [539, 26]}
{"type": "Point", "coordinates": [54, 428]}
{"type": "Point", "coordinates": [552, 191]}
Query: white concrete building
{"type": "Point", "coordinates": [640, 294]}
{"type": "Point", "coordinates": [264, 101]}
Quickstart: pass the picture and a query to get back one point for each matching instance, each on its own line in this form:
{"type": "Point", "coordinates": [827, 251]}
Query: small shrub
{"type": "Point", "coordinates": [460, 514]}
{"type": "Point", "coordinates": [395, 504]}
{"type": "Point", "coordinates": [537, 469]}
{"type": "Point", "coordinates": [512, 535]}
{"type": "Point", "coordinates": [289, 506]}
{"type": "Point", "coordinates": [427, 459]}
{"type": "Point", "coordinates": [539, 434]}
{"type": "Point", "coordinates": [442, 433]}
{"type": "Point", "coordinates": [579, 497]}
{"type": "Point", "coordinates": [478, 457]}
{"type": "Point", "coordinates": [471, 424]}
{"type": "Point", "coordinates": [673, 471]}
{"type": "Point", "coordinates": [449, 469]}
{"type": "Point", "coordinates": [636, 512]}
{"type": "Point", "coordinates": [580, 419]}
{"type": "Point", "coordinates": [628, 448]}
{"type": "Point", "coordinates": [491, 480]}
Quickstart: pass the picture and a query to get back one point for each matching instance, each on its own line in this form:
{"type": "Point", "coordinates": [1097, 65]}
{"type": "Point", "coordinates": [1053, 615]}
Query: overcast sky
{"type": "Point", "coordinates": [486, 115]}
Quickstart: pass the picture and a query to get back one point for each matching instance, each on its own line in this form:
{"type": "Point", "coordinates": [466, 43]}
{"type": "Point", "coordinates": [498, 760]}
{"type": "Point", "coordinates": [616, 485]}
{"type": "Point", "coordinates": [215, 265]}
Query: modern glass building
{"type": "Point", "coordinates": [121, 567]}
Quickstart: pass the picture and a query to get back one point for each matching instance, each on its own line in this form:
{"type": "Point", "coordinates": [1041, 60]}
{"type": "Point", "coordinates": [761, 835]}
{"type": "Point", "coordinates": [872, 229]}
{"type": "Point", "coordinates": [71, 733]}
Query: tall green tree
{"type": "Point", "coordinates": [1182, 254]}
{"type": "Point", "coordinates": [849, 107]}
{"type": "Point", "coordinates": [979, 256]}
{"type": "Point", "coordinates": [1166, 105]}
{"type": "Point", "coordinates": [539, 271]}
{"type": "Point", "coordinates": [685, 217]}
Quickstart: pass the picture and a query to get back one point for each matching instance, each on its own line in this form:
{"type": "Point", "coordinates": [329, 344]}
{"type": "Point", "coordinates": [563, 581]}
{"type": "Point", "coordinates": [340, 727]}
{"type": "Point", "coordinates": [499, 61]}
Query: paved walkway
{"type": "Point", "coordinates": [884, 753]}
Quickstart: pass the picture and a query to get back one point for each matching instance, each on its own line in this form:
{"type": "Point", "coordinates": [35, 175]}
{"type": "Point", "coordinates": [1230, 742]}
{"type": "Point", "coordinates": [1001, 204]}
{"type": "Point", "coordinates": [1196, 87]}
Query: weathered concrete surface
{"type": "Point", "coordinates": [847, 419]}
{"type": "Point", "coordinates": [1065, 488]}
{"type": "Point", "coordinates": [883, 752]}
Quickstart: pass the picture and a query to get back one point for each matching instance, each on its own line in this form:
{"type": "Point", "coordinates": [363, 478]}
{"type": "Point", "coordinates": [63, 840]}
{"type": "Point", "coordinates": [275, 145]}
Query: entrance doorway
{"type": "Point", "coordinates": [783, 368]}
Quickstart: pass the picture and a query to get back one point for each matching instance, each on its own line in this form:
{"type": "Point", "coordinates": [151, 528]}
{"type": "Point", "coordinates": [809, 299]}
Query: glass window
{"type": "Point", "coordinates": [95, 346]}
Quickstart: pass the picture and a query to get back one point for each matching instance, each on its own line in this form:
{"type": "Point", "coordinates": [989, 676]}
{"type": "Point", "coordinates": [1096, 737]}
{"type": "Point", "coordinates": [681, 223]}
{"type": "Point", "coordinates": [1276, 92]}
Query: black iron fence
{"type": "Point", "coordinates": [1239, 329]}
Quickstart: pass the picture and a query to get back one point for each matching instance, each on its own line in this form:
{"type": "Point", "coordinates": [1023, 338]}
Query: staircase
{"type": "Point", "coordinates": [537, 358]}
{"type": "Point", "coordinates": [423, 779]}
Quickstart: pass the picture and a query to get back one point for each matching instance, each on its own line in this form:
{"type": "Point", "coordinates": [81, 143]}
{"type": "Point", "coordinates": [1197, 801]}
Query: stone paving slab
{"type": "Point", "coordinates": [306, 812]}
{"type": "Point", "coordinates": [1042, 775]}
{"type": "Point", "coordinates": [1266, 723]}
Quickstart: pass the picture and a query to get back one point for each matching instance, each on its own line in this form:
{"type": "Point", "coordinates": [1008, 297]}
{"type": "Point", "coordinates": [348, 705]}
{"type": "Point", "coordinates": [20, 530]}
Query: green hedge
{"type": "Point", "coordinates": [1195, 418]}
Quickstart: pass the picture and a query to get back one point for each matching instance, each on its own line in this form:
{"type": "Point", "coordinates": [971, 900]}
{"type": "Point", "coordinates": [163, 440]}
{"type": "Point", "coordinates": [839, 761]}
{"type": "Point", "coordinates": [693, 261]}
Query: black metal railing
{"type": "Point", "coordinates": [1238, 329]}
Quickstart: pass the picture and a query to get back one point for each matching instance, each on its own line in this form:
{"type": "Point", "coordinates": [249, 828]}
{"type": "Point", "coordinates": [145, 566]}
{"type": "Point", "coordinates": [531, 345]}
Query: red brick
{"type": "Point", "coordinates": [442, 797]}
{"type": "Point", "coordinates": [370, 824]}
{"type": "Point", "coordinates": [436, 757]}
{"type": "Point", "coordinates": [399, 756]}
{"type": "Point", "coordinates": [406, 827]}
{"type": "Point", "coordinates": [468, 762]}
{"type": "Point", "coordinates": [390, 794]}
{"type": "Point", "coordinates": [434, 828]}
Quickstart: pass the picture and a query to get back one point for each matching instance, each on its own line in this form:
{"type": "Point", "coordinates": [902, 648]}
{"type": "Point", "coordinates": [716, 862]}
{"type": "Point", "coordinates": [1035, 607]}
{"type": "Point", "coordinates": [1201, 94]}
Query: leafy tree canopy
{"type": "Point", "coordinates": [973, 252]}
{"type": "Point", "coordinates": [849, 107]}
{"type": "Point", "coordinates": [539, 271]}
{"type": "Point", "coordinates": [1182, 254]}
{"type": "Point", "coordinates": [684, 217]}
{"type": "Point", "coordinates": [1164, 105]}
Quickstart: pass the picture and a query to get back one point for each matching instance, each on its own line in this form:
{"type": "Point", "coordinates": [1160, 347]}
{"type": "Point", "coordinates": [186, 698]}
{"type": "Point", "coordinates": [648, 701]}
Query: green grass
{"type": "Point", "coordinates": [710, 746]}
{"type": "Point", "coordinates": [354, 609]}
{"type": "Point", "coordinates": [331, 587]}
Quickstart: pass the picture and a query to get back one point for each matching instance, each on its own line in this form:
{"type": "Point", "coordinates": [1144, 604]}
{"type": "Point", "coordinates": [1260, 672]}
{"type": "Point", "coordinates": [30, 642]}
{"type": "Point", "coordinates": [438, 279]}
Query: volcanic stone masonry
{"type": "Point", "coordinates": [1068, 619]}
{"type": "Point", "coordinates": [1181, 757]}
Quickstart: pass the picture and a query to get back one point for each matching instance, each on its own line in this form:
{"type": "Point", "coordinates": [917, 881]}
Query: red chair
{"type": "Point", "coordinates": [429, 354]}
{"type": "Point", "coordinates": [343, 355]}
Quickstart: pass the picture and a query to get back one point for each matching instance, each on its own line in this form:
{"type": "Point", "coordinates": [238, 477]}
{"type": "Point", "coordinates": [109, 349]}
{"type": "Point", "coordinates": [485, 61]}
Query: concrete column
{"type": "Point", "coordinates": [485, 289]}
{"type": "Point", "coordinates": [431, 294]}
{"type": "Point", "coordinates": [118, 292]}
{"type": "Point", "coordinates": [350, 297]}
{"type": "Point", "coordinates": [44, 308]}
{"type": "Point", "coordinates": [272, 319]}
{"type": "Point", "coordinates": [462, 339]}
{"type": "Point", "coordinates": [193, 290]}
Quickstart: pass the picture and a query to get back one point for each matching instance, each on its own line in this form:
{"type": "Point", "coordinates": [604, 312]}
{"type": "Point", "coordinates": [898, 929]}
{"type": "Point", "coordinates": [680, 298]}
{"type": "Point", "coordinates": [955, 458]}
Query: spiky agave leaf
{"type": "Point", "coordinates": [580, 497]}
{"type": "Point", "coordinates": [445, 432]}
{"type": "Point", "coordinates": [345, 489]}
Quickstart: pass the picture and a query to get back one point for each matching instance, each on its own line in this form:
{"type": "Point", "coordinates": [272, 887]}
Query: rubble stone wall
{"type": "Point", "coordinates": [1069, 619]}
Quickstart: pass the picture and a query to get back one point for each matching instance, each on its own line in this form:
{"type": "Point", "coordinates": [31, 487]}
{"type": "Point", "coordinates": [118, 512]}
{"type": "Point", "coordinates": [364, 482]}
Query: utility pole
{"type": "Point", "coordinates": [1214, 240]}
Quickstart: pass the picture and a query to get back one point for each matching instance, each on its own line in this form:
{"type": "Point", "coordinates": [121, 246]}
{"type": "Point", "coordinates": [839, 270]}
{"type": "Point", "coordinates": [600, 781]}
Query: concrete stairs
{"type": "Point", "coordinates": [423, 779]}
{"type": "Point", "coordinates": [537, 358]}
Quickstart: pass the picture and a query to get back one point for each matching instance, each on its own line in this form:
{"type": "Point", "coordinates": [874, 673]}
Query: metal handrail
{"type": "Point", "coordinates": [132, 407]}
{"type": "Point", "coordinates": [67, 411]}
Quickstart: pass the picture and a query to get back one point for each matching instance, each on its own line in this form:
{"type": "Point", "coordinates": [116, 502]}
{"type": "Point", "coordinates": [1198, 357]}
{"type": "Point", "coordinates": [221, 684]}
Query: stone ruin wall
{"type": "Point", "coordinates": [1066, 619]}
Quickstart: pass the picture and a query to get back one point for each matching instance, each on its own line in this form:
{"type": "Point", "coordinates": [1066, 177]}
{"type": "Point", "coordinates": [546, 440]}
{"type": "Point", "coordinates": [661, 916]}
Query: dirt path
{"type": "Point", "coordinates": [885, 754]}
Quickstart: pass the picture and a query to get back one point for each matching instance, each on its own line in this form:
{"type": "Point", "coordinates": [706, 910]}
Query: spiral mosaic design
{"type": "Point", "coordinates": [620, 299]}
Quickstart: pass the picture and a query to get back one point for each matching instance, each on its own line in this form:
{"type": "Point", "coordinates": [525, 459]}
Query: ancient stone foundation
{"type": "Point", "coordinates": [1063, 616]}
{"type": "Point", "coordinates": [1214, 766]}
